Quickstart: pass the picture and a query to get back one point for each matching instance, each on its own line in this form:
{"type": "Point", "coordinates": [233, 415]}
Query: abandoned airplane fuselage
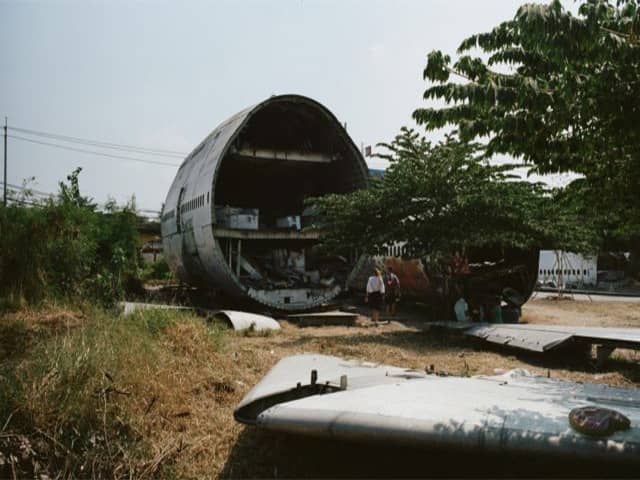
{"type": "Point", "coordinates": [234, 218]}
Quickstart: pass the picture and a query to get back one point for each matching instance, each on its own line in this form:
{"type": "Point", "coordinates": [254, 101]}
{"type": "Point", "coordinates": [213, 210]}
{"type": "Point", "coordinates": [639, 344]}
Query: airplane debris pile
{"type": "Point", "coordinates": [285, 268]}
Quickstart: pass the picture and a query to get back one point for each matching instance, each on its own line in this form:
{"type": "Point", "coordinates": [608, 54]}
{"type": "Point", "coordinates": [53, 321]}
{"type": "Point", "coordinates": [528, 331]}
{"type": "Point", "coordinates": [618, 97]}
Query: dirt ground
{"type": "Point", "coordinates": [184, 407]}
{"type": "Point", "coordinates": [247, 452]}
{"type": "Point", "coordinates": [584, 313]}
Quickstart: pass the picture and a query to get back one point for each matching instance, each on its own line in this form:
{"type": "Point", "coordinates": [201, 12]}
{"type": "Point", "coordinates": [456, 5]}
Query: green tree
{"type": "Point", "coordinates": [446, 197]}
{"type": "Point", "coordinates": [569, 100]}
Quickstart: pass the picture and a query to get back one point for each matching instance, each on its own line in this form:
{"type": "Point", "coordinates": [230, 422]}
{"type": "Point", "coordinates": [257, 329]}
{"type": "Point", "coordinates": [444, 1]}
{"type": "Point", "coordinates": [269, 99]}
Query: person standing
{"type": "Point", "coordinates": [392, 291]}
{"type": "Point", "coordinates": [374, 295]}
{"type": "Point", "coordinates": [461, 309]}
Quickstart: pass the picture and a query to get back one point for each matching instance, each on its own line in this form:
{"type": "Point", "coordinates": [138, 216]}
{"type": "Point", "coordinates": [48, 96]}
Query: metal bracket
{"type": "Point", "coordinates": [603, 352]}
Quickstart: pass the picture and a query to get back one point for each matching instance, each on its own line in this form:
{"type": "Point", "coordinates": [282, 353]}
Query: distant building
{"type": "Point", "coordinates": [150, 240]}
{"type": "Point", "coordinates": [567, 270]}
{"type": "Point", "coordinates": [151, 250]}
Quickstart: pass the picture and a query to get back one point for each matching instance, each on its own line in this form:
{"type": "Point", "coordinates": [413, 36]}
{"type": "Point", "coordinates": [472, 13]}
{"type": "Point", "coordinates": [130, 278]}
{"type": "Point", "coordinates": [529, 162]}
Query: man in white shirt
{"type": "Point", "coordinates": [375, 294]}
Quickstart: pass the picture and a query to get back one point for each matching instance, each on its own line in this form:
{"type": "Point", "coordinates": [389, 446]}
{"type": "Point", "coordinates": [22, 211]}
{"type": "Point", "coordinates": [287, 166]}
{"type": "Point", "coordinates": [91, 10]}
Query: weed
{"type": "Point", "coordinates": [78, 398]}
{"type": "Point", "coordinates": [158, 270]}
{"type": "Point", "coordinates": [13, 339]}
{"type": "Point", "coordinates": [253, 332]}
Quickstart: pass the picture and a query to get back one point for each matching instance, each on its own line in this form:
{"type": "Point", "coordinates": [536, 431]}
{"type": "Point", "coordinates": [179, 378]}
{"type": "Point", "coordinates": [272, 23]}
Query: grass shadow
{"type": "Point", "coordinates": [263, 454]}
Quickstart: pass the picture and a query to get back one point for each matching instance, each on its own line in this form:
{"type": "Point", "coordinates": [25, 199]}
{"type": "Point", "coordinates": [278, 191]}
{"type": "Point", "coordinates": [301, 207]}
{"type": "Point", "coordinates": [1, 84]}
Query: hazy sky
{"type": "Point", "coordinates": [164, 74]}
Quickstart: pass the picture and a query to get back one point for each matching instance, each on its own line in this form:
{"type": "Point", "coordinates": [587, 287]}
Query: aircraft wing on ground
{"type": "Point", "coordinates": [544, 338]}
{"type": "Point", "coordinates": [335, 398]}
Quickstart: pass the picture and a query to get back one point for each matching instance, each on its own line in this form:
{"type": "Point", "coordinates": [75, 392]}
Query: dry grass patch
{"type": "Point", "coordinates": [104, 399]}
{"type": "Point", "coordinates": [152, 395]}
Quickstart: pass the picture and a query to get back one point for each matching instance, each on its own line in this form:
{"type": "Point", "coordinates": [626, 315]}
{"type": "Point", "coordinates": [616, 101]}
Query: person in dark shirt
{"type": "Point", "coordinates": [392, 291]}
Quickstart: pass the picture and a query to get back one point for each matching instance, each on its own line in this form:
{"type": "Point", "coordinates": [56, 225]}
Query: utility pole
{"type": "Point", "coordinates": [5, 161]}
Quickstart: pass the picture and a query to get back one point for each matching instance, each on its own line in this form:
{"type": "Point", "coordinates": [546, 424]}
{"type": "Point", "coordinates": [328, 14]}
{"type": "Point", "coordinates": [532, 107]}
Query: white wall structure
{"type": "Point", "coordinates": [566, 269]}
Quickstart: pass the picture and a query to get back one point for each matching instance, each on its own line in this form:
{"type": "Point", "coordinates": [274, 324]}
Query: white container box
{"type": "Point", "coordinates": [237, 218]}
{"type": "Point", "coordinates": [243, 222]}
{"type": "Point", "coordinates": [292, 221]}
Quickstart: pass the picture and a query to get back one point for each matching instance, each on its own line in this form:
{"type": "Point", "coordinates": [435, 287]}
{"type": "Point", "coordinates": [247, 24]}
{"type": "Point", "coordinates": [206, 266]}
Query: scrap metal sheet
{"type": "Point", "coordinates": [541, 338]}
{"type": "Point", "coordinates": [535, 340]}
{"type": "Point", "coordinates": [620, 334]}
{"type": "Point", "coordinates": [514, 412]}
{"type": "Point", "coordinates": [245, 320]}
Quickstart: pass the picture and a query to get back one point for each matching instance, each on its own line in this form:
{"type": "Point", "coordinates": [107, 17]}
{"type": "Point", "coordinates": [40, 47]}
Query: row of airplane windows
{"type": "Point", "coordinates": [194, 203]}
{"type": "Point", "coordinates": [566, 271]}
{"type": "Point", "coordinates": [396, 251]}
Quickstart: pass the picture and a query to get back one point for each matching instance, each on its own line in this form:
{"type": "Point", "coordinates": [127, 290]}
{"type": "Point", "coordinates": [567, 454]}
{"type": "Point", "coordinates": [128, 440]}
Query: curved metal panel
{"type": "Point", "coordinates": [245, 320]}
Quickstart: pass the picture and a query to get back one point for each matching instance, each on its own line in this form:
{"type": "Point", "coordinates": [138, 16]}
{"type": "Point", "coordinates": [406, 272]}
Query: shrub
{"type": "Point", "coordinates": [158, 270]}
{"type": "Point", "coordinates": [65, 247]}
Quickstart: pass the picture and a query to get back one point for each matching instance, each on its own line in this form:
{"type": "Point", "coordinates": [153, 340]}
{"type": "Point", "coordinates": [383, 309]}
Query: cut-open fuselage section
{"type": "Point", "coordinates": [287, 152]}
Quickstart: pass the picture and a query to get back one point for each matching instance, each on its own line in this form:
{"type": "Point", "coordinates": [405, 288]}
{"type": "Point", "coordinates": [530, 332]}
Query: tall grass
{"type": "Point", "coordinates": [77, 398]}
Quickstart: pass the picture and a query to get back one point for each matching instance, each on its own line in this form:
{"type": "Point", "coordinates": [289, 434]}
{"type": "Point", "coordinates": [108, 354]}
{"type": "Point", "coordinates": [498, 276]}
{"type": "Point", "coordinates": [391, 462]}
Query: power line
{"type": "Point", "coordinates": [35, 203]}
{"type": "Point", "coordinates": [29, 189]}
{"type": "Point", "coordinates": [93, 152]}
{"type": "Point", "coordinates": [23, 202]}
{"type": "Point", "coordinates": [98, 143]}
{"type": "Point", "coordinates": [18, 188]}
